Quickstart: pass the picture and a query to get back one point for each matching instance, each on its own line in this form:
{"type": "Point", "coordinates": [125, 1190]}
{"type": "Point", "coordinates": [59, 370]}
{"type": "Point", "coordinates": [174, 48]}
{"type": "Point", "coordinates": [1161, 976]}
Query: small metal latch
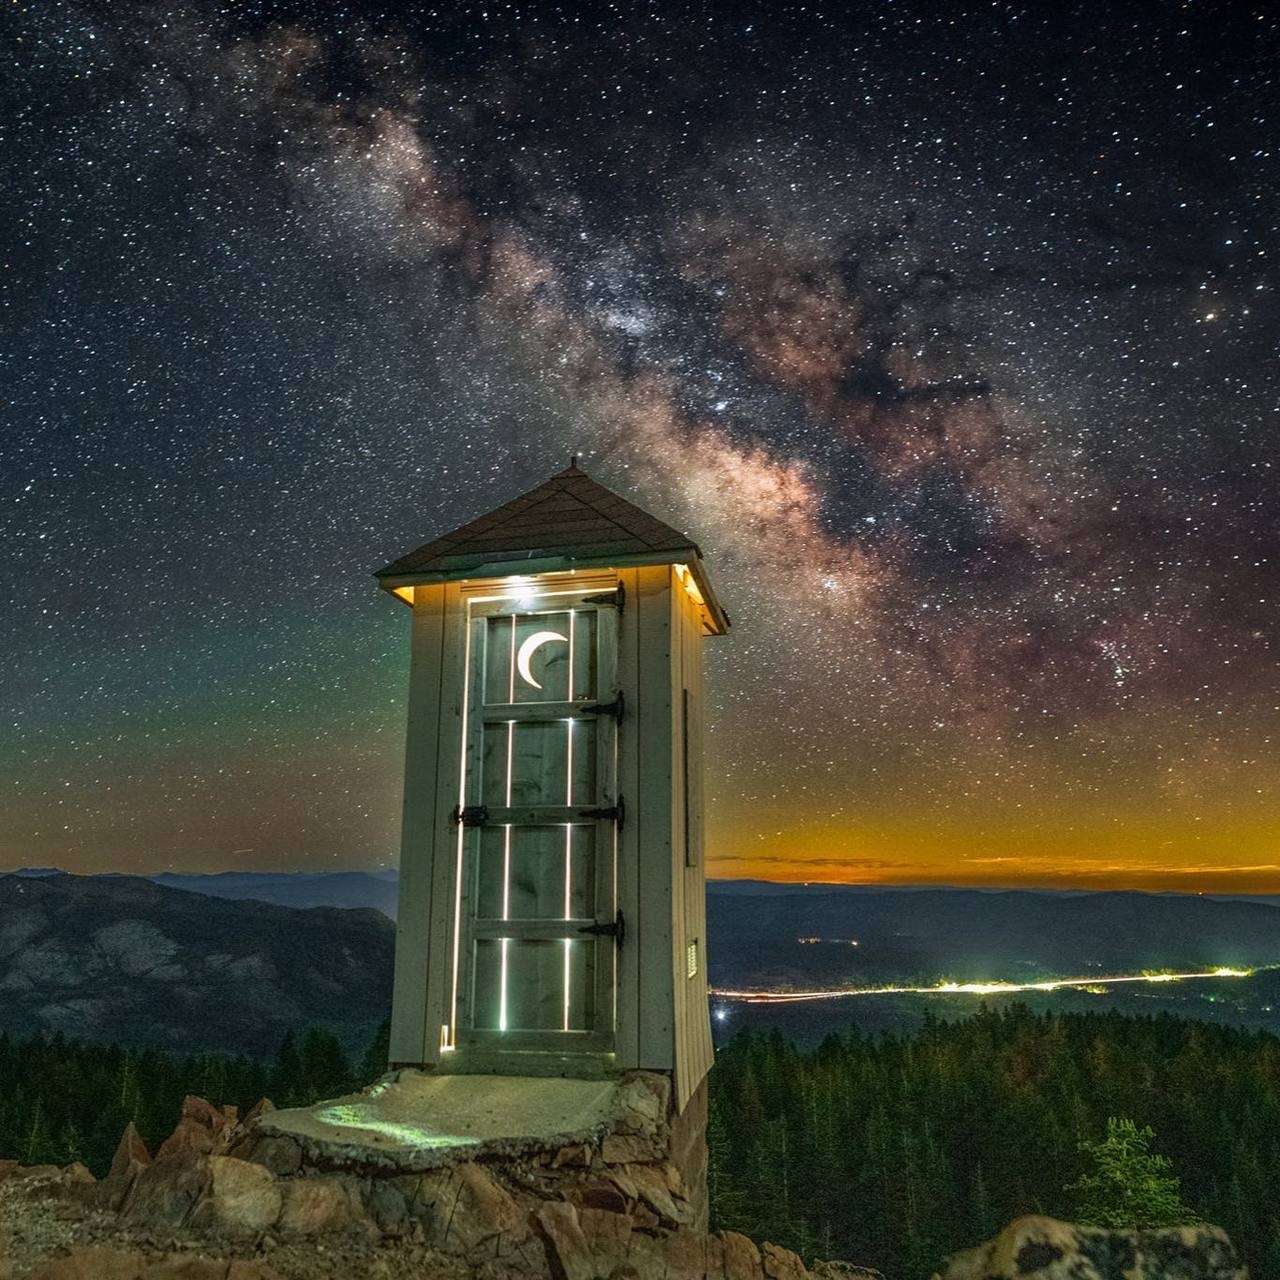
{"type": "Point", "coordinates": [617, 597]}
{"type": "Point", "coordinates": [613, 813]}
{"type": "Point", "coordinates": [616, 708]}
{"type": "Point", "coordinates": [615, 929]}
{"type": "Point", "coordinates": [474, 815]}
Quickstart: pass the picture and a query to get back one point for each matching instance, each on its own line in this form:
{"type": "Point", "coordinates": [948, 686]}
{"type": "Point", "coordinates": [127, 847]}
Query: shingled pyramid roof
{"type": "Point", "coordinates": [570, 516]}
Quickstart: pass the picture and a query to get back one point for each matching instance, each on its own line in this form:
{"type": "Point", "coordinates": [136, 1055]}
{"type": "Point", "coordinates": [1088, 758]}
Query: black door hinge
{"type": "Point", "coordinates": [615, 929]}
{"type": "Point", "coordinates": [617, 597]}
{"type": "Point", "coordinates": [612, 813]}
{"type": "Point", "coordinates": [617, 708]}
{"type": "Point", "coordinates": [474, 815]}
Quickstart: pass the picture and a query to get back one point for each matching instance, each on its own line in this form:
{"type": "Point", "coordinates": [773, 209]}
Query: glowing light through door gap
{"type": "Point", "coordinates": [568, 827]}
{"type": "Point", "coordinates": [449, 1031]}
{"type": "Point", "coordinates": [504, 946]}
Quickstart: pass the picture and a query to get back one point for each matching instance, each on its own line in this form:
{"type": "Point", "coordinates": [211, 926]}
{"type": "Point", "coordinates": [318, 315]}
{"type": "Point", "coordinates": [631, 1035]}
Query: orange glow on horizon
{"type": "Point", "coordinates": [1261, 879]}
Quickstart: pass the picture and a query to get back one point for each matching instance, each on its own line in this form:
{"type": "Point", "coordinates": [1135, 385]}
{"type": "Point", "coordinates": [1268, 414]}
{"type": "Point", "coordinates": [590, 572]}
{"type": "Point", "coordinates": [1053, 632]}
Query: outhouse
{"type": "Point", "coordinates": [552, 912]}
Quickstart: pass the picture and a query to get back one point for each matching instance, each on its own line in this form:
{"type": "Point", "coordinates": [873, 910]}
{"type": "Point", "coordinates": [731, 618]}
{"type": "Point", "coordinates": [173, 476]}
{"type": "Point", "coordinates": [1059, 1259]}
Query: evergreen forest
{"type": "Point", "coordinates": [895, 1151]}
{"type": "Point", "coordinates": [887, 1151]}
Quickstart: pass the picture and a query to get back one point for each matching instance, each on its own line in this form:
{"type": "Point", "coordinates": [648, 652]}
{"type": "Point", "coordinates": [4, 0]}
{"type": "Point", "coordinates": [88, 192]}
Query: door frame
{"type": "Point", "coordinates": [476, 601]}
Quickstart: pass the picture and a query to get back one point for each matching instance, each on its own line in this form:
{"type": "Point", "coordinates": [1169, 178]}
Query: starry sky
{"type": "Point", "coordinates": [948, 330]}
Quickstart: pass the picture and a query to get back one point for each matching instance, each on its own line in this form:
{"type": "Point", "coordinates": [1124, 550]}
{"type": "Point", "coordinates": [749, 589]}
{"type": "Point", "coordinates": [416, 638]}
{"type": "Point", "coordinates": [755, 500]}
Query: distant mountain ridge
{"type": "Point", "coordinates": [378, 889]}
{"type": "Point", "coordinates": [211, 962]}
{"type": "Point", "coordinates": [123, 959]}
{"type": "Point", "coordinates": [375, 889]}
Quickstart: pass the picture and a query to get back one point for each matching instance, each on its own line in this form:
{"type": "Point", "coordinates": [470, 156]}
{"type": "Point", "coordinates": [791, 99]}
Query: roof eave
{"type": "Point", "coordinates": [481, 566]}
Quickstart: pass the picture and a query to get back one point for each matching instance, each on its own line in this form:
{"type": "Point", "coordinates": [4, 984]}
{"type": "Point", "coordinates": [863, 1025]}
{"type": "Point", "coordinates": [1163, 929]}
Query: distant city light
{"type": "Point", "coordinates": [1091, 984]}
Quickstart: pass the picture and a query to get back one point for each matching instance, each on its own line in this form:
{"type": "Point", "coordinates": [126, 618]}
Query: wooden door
{"type": "Point", "coordinates": [539, 925]}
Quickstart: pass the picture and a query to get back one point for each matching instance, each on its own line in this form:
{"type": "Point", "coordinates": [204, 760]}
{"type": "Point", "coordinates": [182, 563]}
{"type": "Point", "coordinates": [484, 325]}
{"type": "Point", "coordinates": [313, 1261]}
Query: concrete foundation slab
{"type": "Point", "coordinates": [415, 1121]}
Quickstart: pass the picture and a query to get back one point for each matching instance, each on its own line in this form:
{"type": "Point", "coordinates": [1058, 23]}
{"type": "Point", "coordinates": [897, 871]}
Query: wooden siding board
{"type": "Point", "coordinates": [410, 1035]}
{"type": "Point", "coordinates": [701, 1053]}
{"type": "Point", "coordinates": [675, 867]}
{"type": "Point", "coordinates": [627, 1032]}
{"type": "Point", "coordinates": [653, 807]}
{"type": "Point", "coordinates": [694, 1052]}
{"type": "Point", "coordinates": [447, 781]}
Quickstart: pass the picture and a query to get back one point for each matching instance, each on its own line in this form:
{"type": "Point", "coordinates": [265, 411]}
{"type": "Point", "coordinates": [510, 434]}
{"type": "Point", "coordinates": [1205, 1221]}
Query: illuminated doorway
{"type": "Point", "coordinates": [539, 928]}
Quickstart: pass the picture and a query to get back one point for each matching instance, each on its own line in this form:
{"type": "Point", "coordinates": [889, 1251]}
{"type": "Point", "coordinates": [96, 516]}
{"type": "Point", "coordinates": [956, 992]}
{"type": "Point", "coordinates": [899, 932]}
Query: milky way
{"type": "Point", "coordinates": [949, 333]}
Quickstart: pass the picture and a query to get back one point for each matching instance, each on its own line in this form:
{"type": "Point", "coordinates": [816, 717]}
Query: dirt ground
{"type": "Point", "coordinates": [38, 1220]}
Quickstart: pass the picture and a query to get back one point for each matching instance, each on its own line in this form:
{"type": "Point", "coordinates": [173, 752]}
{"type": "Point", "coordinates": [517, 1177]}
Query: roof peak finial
{"type": "Point", "coordinates": [573, 462]}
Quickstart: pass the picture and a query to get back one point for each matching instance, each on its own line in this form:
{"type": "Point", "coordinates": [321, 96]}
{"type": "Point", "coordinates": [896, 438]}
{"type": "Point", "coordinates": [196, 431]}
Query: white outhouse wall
{"type": "Point", "coordinates": [663, 847]}
{"type": "Point", "coordinates": [417, 960]}
{"type": "Point", "coordinates": [662, 1017]}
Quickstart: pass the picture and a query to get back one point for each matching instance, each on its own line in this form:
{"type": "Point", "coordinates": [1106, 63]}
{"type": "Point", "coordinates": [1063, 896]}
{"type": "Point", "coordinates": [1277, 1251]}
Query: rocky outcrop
{"type": "Point", "coordinates": [612, 1208]}
{"type": "Point", "coordinates": [1034, 1248]}
{"type": "Point", "coordinates": [615, 1206]}
{"type": "Point", "coordinates": [201, 1212]}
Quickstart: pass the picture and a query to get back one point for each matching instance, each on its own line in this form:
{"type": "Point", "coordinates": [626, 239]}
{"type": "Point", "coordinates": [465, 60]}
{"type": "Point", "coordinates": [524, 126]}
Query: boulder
{"type": "Point", "coordinates": [626, 1148]}
{"type": "Point", "coordinates": [131, 1155]}
{"type": "Point", "coordinates": [242, 1198]}
{"type": "Point", "coordinates": [578, 1155]}
{"type": "Point", "coordinates": [387, 1207]}
{"type": "Point", "coordinates": [646, 1259]}
{"type": "Point", "coordinates": [643, 1103]}
{"type": "Point", "coordinates": [567, 1247]}
{"type": "Point", "coordinates": [262, 1107]}
{"type": "Point", "coordinates": [651, 1187]}
{"type": "Point", "coordinates": [835, 1269]}
{"type": "Point", "coordinates": [1036, 1248]}
{"type": "Point", "coordinates": [165, 1192]}
{"type": "Point", "coordinates": [715, 1255]}
{"type": "Point", "coordinates": [314, 1206]}
{"type": "Point", "coordinates": [685, 1255]}
{"type": "Point", "coordinates": [280, 1154]}
{"type": "Point", "coordinates": [130, 1159]}
{"type": "Point", "coordinates": [199, 1128]}
{"type": "Point", "coordinates": [781, 1264]}
{"type": "Point", "coordinates": [463, 1208]}
{"type": "Point", "coordinates": [598, 1195]}
{"type": "Point", "coordinates": [607, 1235]}
{"type": "Point", "coordinates": [741, 1257]}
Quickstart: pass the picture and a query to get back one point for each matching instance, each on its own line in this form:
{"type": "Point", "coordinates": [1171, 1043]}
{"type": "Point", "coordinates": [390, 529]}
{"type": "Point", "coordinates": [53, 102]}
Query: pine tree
{"type": "Point", "coordinates": [288, 1085]}
{"type": "Point", "coordinates": [70, 1145]}
{"type": "Point", "coordinates": [37, 1149]}
{"type": "Point", "coordinates": [325, 1070]}
{"type": "Point", "coordinates": [129, 1096]}
{"type": "Point", "coordinates": [377, 1055]}
{"type": "Point", "coordinates": [1128, 1185]}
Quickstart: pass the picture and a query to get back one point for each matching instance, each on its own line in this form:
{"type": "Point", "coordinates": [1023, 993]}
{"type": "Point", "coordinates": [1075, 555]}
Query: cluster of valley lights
{"type": "Point", "coordinates": [972, 988]}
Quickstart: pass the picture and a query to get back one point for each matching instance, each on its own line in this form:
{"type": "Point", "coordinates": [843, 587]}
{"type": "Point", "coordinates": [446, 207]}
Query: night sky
{"type": "Point", "coordinates": [949, 332]}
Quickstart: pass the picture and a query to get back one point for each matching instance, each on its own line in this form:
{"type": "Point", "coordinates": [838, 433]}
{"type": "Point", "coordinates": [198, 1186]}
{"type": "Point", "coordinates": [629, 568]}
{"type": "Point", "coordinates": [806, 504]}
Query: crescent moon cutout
{"type": "Point", "coordinates": [529, 648]}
